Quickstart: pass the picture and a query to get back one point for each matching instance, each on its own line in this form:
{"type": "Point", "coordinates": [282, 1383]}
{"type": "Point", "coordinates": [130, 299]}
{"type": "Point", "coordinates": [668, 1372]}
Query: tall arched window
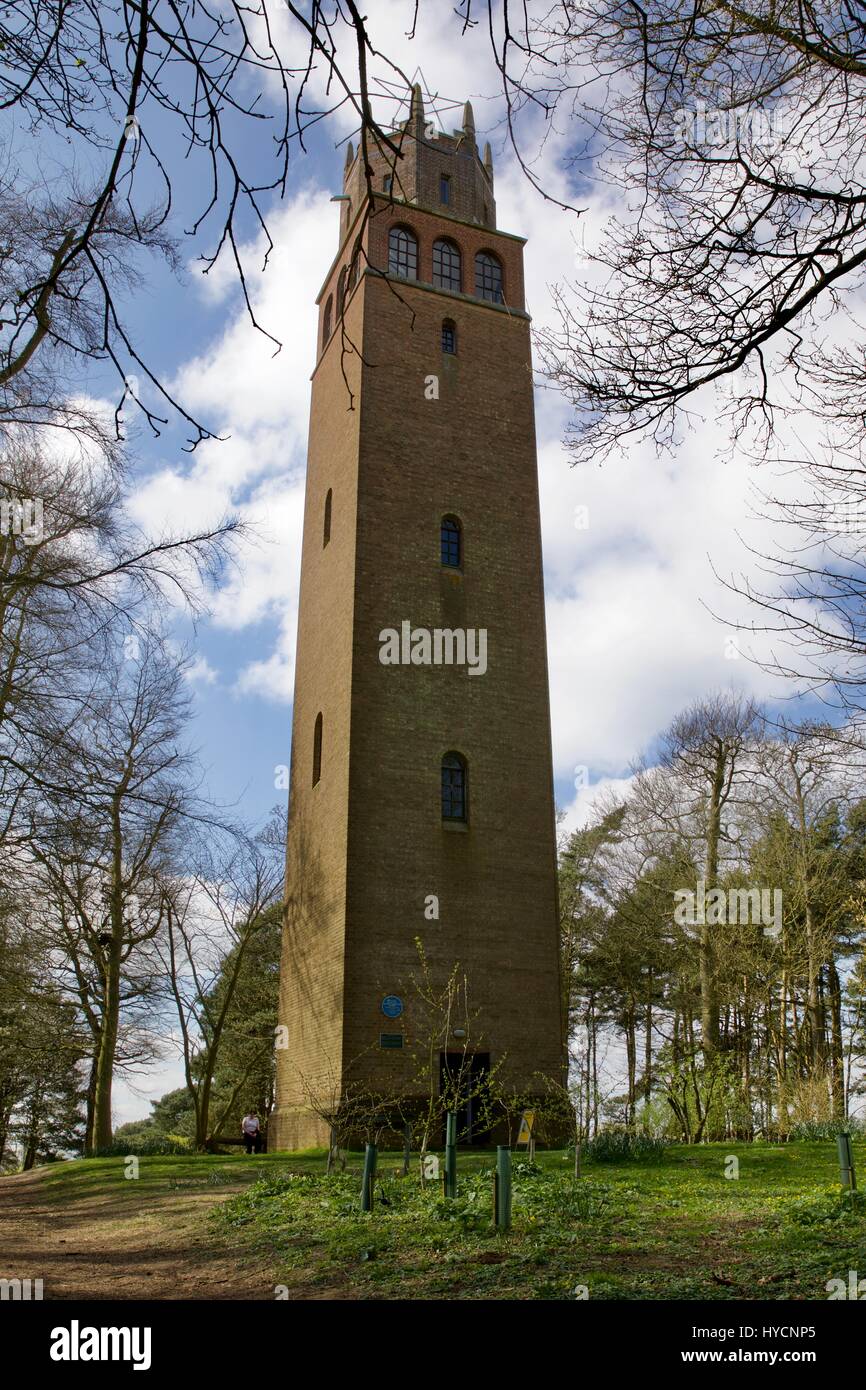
{"type": "Point", "coordinates": [451, 542]}
{"type": "Point", "coordinates": [454, 787]}
{"type": "Point", "coordinates": [449, 335]}
{"type": "Point", "coordinates": [355, 267]}
{"type": "Point", "coordinates": [326, 325]}
{"type": "Point", "coordinates": [446, 265]}
{"type": "Point", "coordinates": [488, 277]}
{"type": "Point", "coordinates": [326, 529]}
{"type": "Point", "coordinates": [317, 750]}
{"type": "Point", "coordinates": [403, 253]}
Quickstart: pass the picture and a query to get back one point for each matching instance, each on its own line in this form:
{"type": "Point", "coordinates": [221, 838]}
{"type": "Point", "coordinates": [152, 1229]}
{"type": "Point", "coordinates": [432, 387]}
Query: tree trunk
{"type": "Point", "coordinates": [102, 1129]}
{"type": "Point", "coordinates": [709, 999]}
{"type": "Point", "coordinates": [631, 1057]}
{"type": "Point", "coordinates": [89, 1144]}
{"type": "Point", "coordinates": [648, 1050]}
{"type": "Point", "coordinates": [837, 1052]}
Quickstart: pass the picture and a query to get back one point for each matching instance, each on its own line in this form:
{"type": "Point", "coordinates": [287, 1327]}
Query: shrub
{"type": "Point", "coordinates": [826, 1129]}
{"type": "Point", "coordinates": [155, 1147]}
{"type": "Point", "coordinates": [625, 1146]}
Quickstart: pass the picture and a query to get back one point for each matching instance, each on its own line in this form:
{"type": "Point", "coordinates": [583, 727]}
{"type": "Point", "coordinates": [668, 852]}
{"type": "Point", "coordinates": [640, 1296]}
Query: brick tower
{"type": "Point", "coordinates": [421, 800]}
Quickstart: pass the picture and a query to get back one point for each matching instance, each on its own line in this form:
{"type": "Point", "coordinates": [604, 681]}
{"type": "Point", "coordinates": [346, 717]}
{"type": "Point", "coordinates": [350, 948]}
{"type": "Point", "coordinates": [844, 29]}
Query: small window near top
{"type": "Point", "coordinates": [449, 336]}
{"type": "Point", "coordinates": [388, 183]}
{"type": "Point", "coordinates": [445, 189]}
{"type": "Point", "coordinates": [326, 529]}
{"type": "Point", "coordinates": [454, 799]}
{"type": "Point", "coordinates": [317, 750]}
{"type": "Point", "coordinates": [450, 542]}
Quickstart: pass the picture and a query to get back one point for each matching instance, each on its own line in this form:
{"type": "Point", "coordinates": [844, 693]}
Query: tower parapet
{"type": "Point", "coordinates": [430, 169]}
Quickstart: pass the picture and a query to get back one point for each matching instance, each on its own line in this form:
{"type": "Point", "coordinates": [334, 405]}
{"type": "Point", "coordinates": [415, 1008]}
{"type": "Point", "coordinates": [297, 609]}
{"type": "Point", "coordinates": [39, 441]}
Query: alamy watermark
{"type": "Point", "coordinates": [20, 1290]}
{"type": "Point", "coordinates": [727, 128]}
{"type": "Point", "coordinates": [439, 646]}
{"type": "Point", "coordinates": [737, 905]}
{"type": "Point", "coordinates": [22, 516]}
{"type": "Point", "coordinates": [77, 1343]}
{"type": "Point", "coordinates": [854, 1289]}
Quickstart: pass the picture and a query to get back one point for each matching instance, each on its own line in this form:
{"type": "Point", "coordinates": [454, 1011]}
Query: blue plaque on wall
{"type": "Point", "coordinates": [392, 1006]}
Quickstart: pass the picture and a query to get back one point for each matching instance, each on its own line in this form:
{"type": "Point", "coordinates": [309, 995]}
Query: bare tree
{"type": "Point", "coordinates": [740, 129]}
{"type": "Point", "coordinates": [143, 93]}
{"type": "Point", "coordinates": [707, 751]}
{"type": "Point", "coordinates": [78, 582]}
{"type": "Point", "coordinates": [213, 915]}
{"type": "Point", "coordinates": [104, 837]}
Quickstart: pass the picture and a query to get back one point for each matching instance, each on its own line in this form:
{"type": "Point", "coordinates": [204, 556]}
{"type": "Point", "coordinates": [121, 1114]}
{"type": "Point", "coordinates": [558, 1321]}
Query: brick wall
{"type": "Point", "coordinates": [368, 845]}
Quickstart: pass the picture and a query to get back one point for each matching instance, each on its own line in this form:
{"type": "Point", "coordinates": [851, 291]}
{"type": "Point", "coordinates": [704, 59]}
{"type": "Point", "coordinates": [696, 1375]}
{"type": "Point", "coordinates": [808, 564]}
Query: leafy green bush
{"type": "Point", "coordinates": [830, 1206]}
{"type": "Point", "coordinates": [155, 1147]}
{"type": "Point", "coordinates": [578, 1201]}
{"type": "Point", "coordinates": [827, 1129]}
{"type": "Point", "coordinates": [625, 1146]}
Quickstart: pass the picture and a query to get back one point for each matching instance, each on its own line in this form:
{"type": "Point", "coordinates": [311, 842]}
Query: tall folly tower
{"type": "Point", "coordinates": [421, 797]}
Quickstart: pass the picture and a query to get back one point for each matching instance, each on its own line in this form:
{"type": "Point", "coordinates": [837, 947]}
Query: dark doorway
{"type": "Point", "coordinates": [463, 1086]}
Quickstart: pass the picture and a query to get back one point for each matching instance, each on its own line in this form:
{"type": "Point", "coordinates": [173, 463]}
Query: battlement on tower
{"type": "Point", "coordinates": [427, 168]}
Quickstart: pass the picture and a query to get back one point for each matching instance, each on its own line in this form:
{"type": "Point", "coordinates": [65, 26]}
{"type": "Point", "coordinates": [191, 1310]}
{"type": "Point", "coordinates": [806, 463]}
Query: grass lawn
{"type": "Point", "coordinates": [675, 1228]}
{"type": "Point", "coordinates": [672, 1229]}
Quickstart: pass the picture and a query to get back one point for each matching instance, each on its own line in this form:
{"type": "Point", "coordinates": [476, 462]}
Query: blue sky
{"type": "Point", "coordinates": [631, 635]}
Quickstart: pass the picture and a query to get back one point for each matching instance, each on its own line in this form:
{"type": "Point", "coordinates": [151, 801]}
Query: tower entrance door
{"type": "Point", "coordinates": [463, 1080]}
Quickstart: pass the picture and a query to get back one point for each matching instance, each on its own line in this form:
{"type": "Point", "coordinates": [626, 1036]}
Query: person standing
{"type": "Point", "coordinates": [252, 1133]}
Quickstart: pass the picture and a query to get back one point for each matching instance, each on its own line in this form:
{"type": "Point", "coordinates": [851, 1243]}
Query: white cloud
{"type": "Point", "coordinates": [201, 672]}
{"type": "Point", "coordinates": [588, 798]}
{"type": "Point", "coordinates": [629, 639]}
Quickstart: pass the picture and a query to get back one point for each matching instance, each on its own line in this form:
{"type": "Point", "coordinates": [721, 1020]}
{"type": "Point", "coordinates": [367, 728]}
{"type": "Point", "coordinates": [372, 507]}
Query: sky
{"type": "Point", "coordinates": [630, 545]}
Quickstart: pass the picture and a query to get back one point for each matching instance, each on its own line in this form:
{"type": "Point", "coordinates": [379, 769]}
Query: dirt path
{"type": "Point", "coordinates": [106, 1247]}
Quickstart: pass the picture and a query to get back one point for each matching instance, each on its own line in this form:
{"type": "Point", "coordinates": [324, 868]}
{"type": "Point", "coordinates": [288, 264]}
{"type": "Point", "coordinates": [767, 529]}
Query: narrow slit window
{"type": "Point", "coordinates": [449, 336]}
{"type": "Point", "coordinates": [355, 267]}
{"type": "Point", "coordinates": [326, 326]}
{"type": "Point", "coordinates": [454, 788]}
{"type": "Point", "coordinates": [451, 542]}
{"type": "Point", "coordinates": [317, 750]}
{"type": "Point", "coordinates": [445, 189]}
{"type": "Point", "coordinates": [326, 528]}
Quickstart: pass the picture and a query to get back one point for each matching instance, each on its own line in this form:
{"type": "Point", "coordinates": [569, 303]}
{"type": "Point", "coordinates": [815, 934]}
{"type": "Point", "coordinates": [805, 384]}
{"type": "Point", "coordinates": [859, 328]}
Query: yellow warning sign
{"type": "Point", "coordinates": [527, 1120]}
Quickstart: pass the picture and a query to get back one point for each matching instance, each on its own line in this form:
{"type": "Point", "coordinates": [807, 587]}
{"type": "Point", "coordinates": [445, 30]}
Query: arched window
{"type": "Point", "coordinates": [317, 750]}
{"type": "Point", "coordinates": [341, 292]}
{"type": "Point", "coordinates": [451, 542]}
{"type": "Point", "coordinates": [355, 267]}
{"type": "Point", "coordinates": [403, 253]}
{"type": "Point", "coordinates": [454, 788]}
{"type": "Point", "coordinates": [488, 277]}
{"type": "Point", "coordinates": [326, 325]}
{"type": "Point", "coordinates": [449, 335]}
{"type": "Point", "coordinates": [326, 529]}
{"type": "Point", "coordinates": [446, 265]}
